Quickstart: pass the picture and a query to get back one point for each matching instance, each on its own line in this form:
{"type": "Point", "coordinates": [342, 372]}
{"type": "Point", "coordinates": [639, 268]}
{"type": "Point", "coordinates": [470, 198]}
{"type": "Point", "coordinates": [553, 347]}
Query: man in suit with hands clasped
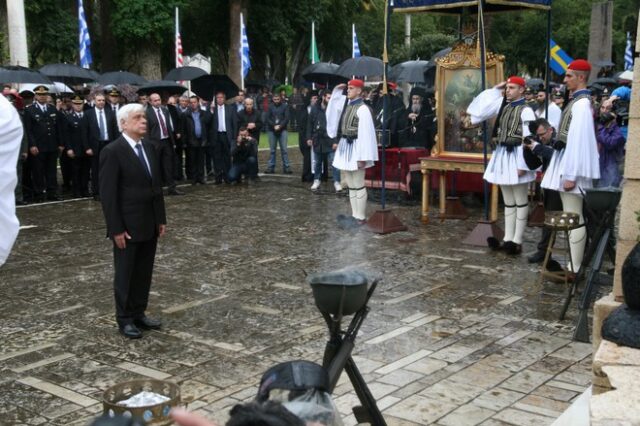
{"type": "Point", "coordinates": [133, 207]}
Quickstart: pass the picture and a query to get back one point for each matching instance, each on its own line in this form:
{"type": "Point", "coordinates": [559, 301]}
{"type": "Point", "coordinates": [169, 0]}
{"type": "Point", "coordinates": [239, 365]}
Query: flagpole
{"type": "Point", "coordinates": [176, 38]}
{"type": "Point", "coordinates": [241, 63]}
{"type": "Point", "coordinates": [353, 36]}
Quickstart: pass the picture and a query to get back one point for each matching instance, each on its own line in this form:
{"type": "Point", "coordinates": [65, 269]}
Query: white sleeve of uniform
{"type": "Point", "coordinates": [581, 158]}
{"type": "Point", "coordinates": [527, 116]}
{"type": "Point", "coordinates": [10, 140]}
{"type": "Point", "coordinates": [485, 106]}
{"type": "Point", "coordinates": [334, 111]}
{"type": "Point", "coordinates": [367, 143]}
{"type": "Point", "coordinates": [555, 113]}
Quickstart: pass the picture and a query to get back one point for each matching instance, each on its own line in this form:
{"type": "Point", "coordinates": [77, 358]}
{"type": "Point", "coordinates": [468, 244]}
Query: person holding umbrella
{"type": "Point", "coordinates": [357, 148]}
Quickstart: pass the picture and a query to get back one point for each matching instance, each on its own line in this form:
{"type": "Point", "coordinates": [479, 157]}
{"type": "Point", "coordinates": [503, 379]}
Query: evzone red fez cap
{"type": "Point", "coordinates": [580, 65]}
{"type": "Point", "coordinates": [392, 85]}
{"type": "Point", "coordinates": [514, 79]}
{"type": "Point", "coordinates": [356, 83]}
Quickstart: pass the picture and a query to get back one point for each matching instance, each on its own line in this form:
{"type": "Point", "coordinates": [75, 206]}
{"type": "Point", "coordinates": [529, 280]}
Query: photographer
{"type": "Point", "coordinates": [542, 143]}
{"type": "Point", "coordinates": [610, 147]}
{"type": "Point", "coordinates": [244, 156]}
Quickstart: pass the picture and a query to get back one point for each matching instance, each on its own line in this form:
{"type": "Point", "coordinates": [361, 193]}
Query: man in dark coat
{"type": "Point", "coordinates": [417, 128]}
{"type": "Point", "coordinates": [133, 207]}
{"type": "Point", "coordinates": [303, 113]}
{"type": "Point", "coordinates": [101, 129]}
{"type": "Point", "coordinates": [44, 126]}
{"type": "Point", "coordinates": [76, 130]}
{"type": "Point", "coordinates": [324, 147]}
{"type": "Point", "coordinates": [160, 133]}
{"type": "Point", "coordinates": [195, 127]}
{"type": "Point", "coordinates": [222, 136]}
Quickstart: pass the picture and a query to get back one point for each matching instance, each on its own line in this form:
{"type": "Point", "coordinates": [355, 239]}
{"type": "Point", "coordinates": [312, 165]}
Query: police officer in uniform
{"type": "Point", "coordinates": [76, 131]}
{"type": "Point", "coordinates": [44, 126]}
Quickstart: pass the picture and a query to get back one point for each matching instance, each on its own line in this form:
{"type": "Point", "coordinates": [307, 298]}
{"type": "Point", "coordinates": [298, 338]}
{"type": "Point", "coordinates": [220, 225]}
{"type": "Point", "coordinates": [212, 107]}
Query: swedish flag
{"type": "Point", "coordinates": [559, 59]}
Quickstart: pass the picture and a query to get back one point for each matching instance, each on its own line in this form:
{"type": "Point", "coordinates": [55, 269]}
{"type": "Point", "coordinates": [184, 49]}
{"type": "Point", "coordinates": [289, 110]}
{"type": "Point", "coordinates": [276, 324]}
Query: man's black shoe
{"type": "Point", "coordinates": [147, 323]}
{"type": "Point", "coordinates": [130, 331]}
{"type": "Point", "coordinates": [174, 191]}
{"type": "Point", "coordinates": [536, 257]}
{"type": "Point", "coordinates": [494, 244]}
{"type": "Point", "coordinates": [553, 266]}
{"type": "Point", "coordinates": [512, 248]}
{"type": "Point", "coordinates": [53, 197]}
{"type": "Point", "coordinates": [269, 171]}
{"type": "Point", "coordinates": [287, 171]}
{"type": "Point", "coordinates": [21, 203]}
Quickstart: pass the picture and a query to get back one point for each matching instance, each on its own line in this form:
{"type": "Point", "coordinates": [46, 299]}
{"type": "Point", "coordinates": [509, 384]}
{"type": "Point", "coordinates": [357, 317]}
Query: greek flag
{"type": "Point", "coordinates": [628, 55]}
{"type": "Point", "coordinates": [85, 40]}
{"type": "Point", "coordinates": [355, 48]}
{"type": "Point", "coordinates": [244, 49]}
{"type": "Point", "coordinates": [559, 59]}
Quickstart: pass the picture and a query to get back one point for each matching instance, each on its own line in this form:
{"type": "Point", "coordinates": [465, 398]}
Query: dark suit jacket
{"type": "Point", "coordinates": [92, 135]}
{"type": "Point", "coordinates": [189, 129]}
{"type": "Point", "coordinates": [45, 130]}
{"type": "Point", "coordinates": [75, 131]}
{"type": "Point", "coordinates": [153, 126]}
{"type": "Point", "coordinates": [231, 124]}
{"type": "Point", "coordinates": [130, 200]}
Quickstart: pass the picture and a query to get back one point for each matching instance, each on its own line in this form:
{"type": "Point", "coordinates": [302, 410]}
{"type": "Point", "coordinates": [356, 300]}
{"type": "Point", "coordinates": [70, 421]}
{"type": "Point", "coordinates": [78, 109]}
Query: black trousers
{"type": "Point", "coordinates": [179, 162]}
{"type": "Point", "coordinates": [44, 173]}
{"type": "Point", "coordinates": [80, 180]}
{"type": "Point", "coordinates": [307, 173]}
{"type": "Point", "coordinates": [552, 202]}
{"type": "Point", "coordinates": [66, 169]}
{"type": "Point", "coordinates": [196, 163]}
{"type": "Point", "coordinates": [166, 154]}
{"type": "Point", "coordinates": [221, 156]}
{"type": "Point", "coordinates": [95, 167]}
{"type": "Point", "coordinates": [132, 279]}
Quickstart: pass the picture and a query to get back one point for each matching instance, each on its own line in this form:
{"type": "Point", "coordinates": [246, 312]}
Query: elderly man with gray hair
{"type": "Point", "coordinates": [133, 207]}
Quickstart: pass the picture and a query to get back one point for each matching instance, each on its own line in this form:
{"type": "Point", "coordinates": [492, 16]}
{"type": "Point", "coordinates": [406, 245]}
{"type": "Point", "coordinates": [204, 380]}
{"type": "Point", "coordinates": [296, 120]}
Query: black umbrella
{"type": "Point", "coordinates": [162, 86]}
{"type": "Point", "coordinates": [440, 54]}
{"type": "Point", "coordinates": [18, 74]}
{"type": "Point", "coordinates": [606, 81]}
{"type": "Point", "coordinates": [411, 71]}
{"type": "Point", "coordinates": [121, 77]}
{"type": "Point", "coordinates": [184, 73]}
{"type": "Point", "coordinates": [362, 66]}
{"type": "Point", "coordinates": [323, 73]}
{"type": "Point", "coordinates": [208, 85]}
{"type": "Point", "coordinates": [68, 73]}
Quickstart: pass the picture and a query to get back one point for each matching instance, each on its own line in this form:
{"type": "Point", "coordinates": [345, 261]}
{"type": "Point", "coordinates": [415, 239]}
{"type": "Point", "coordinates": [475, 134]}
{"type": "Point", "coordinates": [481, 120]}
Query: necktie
{"type": "Point", "coordinates": [103, 131]}
{"type": "Point", "coordinates": [141, 158]}
{"type": "Point", "coordinates": [163, 125]}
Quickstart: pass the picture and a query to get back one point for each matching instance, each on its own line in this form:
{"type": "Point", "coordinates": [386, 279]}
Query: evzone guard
{"type": "Point", "coordinates": [507, 167]}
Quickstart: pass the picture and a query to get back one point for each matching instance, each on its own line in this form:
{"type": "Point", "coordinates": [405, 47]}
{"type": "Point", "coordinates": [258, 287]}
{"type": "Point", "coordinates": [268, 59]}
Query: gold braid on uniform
{"type": "Point", "coordinates": [565, 120]}
{"type": "Point", "coordinates": [510, 130]}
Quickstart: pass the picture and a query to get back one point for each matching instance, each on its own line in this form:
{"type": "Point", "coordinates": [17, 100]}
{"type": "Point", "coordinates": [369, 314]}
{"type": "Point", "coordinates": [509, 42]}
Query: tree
{"type": "Point", "coordinates": [52, 31]}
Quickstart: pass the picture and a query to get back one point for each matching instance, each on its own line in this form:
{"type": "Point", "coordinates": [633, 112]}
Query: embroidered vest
{"type": "Point", "coordinates": [349, 123]}
{"type": "Point", "coordinates": [567, 115]}
{"type": "Point", "coordinates": [510, 130]}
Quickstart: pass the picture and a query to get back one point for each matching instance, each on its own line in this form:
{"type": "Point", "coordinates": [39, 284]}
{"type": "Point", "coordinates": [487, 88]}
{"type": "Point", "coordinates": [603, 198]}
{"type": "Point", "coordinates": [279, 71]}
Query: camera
{"type": "Point", "coordinates": [528, 140]}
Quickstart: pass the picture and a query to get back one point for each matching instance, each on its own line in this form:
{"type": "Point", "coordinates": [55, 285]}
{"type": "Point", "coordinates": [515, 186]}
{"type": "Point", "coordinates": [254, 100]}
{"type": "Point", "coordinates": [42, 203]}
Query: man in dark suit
{"type": "Point", "coordinates": [76, 129]}
{"type": "Point", "coordinates": [133, 207]}
{"type": "Point", "coordinates": [160, 132]}
{"type": "Point", "coordinates": [44, 126]}
{"type": "Point", "coordinates": [195, 124]}
{"type": "Point", "coordinates": [222, 136]}
{"type": "Point", "coordinates": [100, 130]}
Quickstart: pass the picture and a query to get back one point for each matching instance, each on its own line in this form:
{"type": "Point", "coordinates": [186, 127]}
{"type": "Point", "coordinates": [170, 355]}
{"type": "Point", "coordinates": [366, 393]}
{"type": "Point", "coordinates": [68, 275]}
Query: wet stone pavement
{"type": "Point", "coordinates": [452, 338]}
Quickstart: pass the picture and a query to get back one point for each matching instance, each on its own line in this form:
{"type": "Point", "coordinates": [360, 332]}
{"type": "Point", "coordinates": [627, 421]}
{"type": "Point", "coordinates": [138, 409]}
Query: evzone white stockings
{"type": "Point", "coordinates": [354, 179]}
{"type": "Point", "coordinates": [577, 237]}
{"type": "Point", "coordinates": [516, 210]}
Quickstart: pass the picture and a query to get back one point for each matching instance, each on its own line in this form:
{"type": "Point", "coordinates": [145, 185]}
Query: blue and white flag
{"type": "Point", "coordinates": [628, 55]}
{"type": "Point", "coordinates": [355, 48]}
{"type": "Point", "coordinates": [560, 60]}
{"type": "Point", "coordinates": [85, 40]}
{"type": "Point", "coordinates": [244, 49]}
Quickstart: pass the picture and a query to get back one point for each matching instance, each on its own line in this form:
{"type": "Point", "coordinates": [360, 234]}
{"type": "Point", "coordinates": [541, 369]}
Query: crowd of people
{"type": "Point", "coordinates": [196, 140]}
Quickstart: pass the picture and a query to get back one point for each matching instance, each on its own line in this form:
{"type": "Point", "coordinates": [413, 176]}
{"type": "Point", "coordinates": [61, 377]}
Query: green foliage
{"type": "Point", "coordinates": [52, 31]}
{"type": "Point", "coordinates": [148, 20]}
{"type": "Point", "coordinates": [422, 47]}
